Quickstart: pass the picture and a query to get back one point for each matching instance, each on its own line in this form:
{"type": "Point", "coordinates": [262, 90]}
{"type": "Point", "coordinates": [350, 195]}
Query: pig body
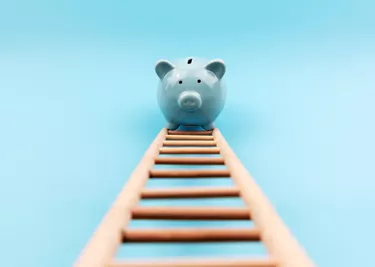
{"type": "Point", "coordinates": [191, 91]}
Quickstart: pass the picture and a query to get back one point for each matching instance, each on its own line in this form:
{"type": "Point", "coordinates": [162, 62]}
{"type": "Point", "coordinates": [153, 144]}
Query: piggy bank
{"type": "Point", "coordinates": [191, 91]}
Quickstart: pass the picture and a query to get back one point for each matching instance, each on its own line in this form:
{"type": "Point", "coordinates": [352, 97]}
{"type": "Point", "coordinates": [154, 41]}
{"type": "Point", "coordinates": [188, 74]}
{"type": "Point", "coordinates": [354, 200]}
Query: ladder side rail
{"type": "Point", "coordinates": [275, 235]}
{"type": "Point", "coordinates": [108, 236]}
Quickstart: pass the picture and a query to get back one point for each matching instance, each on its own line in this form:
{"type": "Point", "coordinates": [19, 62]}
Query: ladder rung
{"type": "Point", "coordinates": [189, 143]}
{"type": "Point", "coordinates": [189, 137]}
{"type": "Point", "coordinates": [197, 192]}
{"type": "Point", "coordinates": [188, 173]}
{"type": "Point", "coordinates": [197, 161]}
{"type": "Point", "coordinates": [190, 235]}
{"type": "Point", "coordinates": [190, 150]}
{"type": "Point", "coordinates": [191, 213]}
{"type": "Point", "coordinates": [189, 132]}
{"type": "Point", "coordinates": [198, 263]}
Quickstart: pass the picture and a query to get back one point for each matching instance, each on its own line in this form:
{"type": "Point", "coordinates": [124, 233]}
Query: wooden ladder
{"type": "Point", "coordinates": [283, 249]}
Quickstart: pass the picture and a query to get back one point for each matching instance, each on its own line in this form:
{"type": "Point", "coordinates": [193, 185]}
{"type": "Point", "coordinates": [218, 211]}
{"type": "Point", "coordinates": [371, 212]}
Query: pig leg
{"type": "Point", "coordinates": [172, 126]}
{"type": "Point", "coordinates": [209, 126]}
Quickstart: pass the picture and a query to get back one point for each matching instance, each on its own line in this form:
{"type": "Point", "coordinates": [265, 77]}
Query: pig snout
{"type": "Point", "coordinates": [190, 101]}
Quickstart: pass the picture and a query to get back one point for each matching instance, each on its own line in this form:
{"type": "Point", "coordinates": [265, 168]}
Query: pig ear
{"type": "Point", "coordinates": [217, 66]}
{"type": "Point", "coordinates": [162, 67]}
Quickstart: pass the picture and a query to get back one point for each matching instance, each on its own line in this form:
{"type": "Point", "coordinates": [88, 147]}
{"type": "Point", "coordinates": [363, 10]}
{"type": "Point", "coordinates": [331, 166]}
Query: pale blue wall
{"type": "Point", "coordinates": [78, 109]}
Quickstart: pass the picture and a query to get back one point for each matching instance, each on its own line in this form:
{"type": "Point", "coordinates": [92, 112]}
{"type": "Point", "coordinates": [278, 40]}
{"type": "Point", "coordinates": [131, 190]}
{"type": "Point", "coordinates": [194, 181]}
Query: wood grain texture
{"type": "Point", "coordinates": [202, 262]}
{"type": "Point", "coordinates": [188, 173]}
{"type": "Point", "coordinates": [281, 244]}
{"type": "Point", "coordinates": [108, 236]}
{"type": "Point", "coordinates": [191, 235]}
{"type": "Point", "coordinates": [190, 150]}
{"type": "Point", "coordinates": [189, 143]}
{"type": "Point", "coordinates": [190, 192]}
{"type": "Point", "coordinates": [190, 161]}
{"type": "Point", "coordinates": [189, 137]}
{"type": "Point", "coordinates": [191, 213]}
{"type": "Point", "coordinates": [189, 132]}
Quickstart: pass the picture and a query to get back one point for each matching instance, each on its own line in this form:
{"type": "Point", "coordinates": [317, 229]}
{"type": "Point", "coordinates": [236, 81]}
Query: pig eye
{"type": "Point", "coordinates": [179, 82]}
{"type": "Point", "coordinates": [199, 81]}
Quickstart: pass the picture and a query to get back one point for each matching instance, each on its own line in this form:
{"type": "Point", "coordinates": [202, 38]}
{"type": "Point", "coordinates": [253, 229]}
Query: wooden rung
{"type": "Point", "coordinates": [196, 161]}
{"type": "Point", "coordinates": [190, 150]}
{"type": "Point", "coordinates": [189, 143]}
{"type": "Point", "coordinates": [189, 137]}
{"type": "Point", "coordinates": [191, 235]}
{"type": "Point", "coordinates": [191, 213]}
{"type": "Point", "coordinates": [189, 132]}
{"type": "Point", "coordinates": [188, 173]}
{"type": "Point", "coordinates": [221, 262]}
{"type": "Point", "coordinates": [197, 192]}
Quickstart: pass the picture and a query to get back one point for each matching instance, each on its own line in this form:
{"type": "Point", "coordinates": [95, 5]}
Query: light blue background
{"type": "Point", "coordinates": [78, 109]}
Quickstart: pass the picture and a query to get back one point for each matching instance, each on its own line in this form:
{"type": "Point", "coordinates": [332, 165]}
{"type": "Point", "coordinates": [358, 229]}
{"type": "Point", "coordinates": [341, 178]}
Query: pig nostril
{"type": "Point", "coordinates": [189, 102]}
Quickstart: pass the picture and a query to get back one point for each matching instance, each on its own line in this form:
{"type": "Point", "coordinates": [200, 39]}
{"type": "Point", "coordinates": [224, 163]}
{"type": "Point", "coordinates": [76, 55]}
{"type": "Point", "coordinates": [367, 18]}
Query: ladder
{"type": "Point", "coordinates": [283, 249]}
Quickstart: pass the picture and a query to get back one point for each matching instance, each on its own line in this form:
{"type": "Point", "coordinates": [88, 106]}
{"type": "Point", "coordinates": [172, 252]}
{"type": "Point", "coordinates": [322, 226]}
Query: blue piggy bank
{"type": "Point", "coordinates": [191, 91]}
